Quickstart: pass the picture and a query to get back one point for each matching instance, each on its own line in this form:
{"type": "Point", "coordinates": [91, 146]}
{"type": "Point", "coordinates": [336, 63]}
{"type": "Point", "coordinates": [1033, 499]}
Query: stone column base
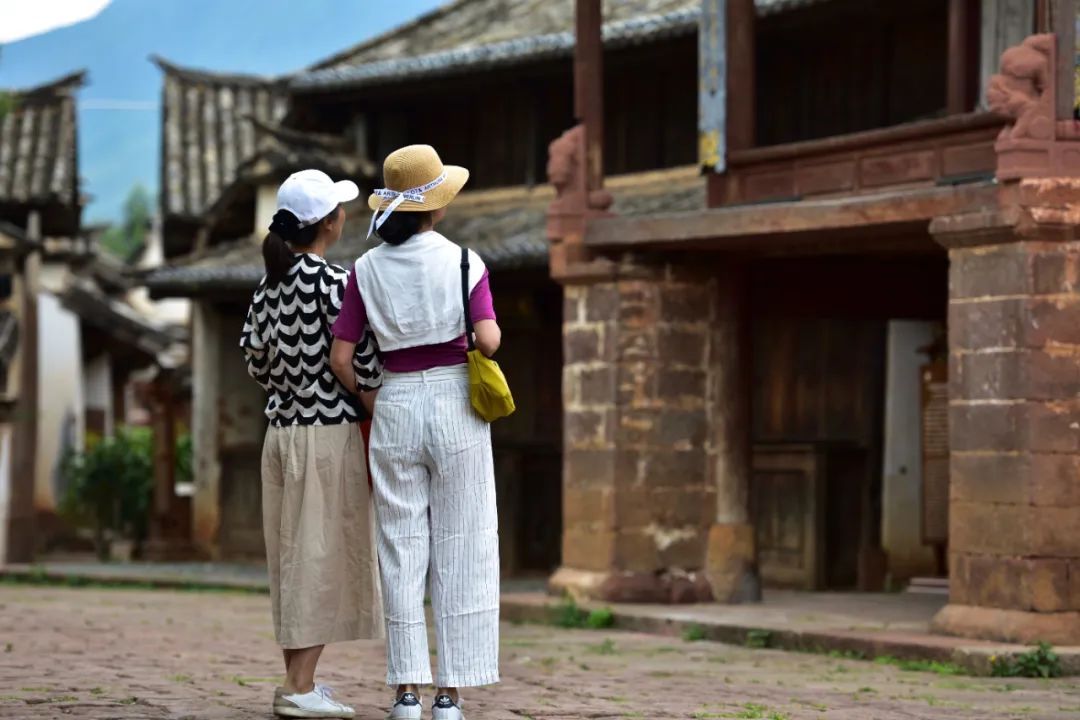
{"type": "Point", "coordinates": [731, 563]}
{"type": "Point", "coordinates": [630, 587]}
{"type": "Point", "coordinates": [1015, 626]}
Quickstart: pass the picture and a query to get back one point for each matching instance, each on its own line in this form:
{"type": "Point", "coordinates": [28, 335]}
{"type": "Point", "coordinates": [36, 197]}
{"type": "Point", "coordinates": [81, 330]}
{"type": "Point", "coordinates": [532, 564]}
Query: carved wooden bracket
{"type": "Point", "coordinates": [574, 204]}
{"type": "Point", "coordinates": [1034, 143]}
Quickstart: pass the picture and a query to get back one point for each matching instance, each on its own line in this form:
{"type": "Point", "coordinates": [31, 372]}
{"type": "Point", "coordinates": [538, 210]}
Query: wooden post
{"type": "Point", "coordinates": [164, 427]}
{"type": "Point", "coordinates": [589, 88]}
{"type": "Point", "coordinates": [1042, 16]}
{"type": "Point", "coordinates": [21, 520]}
{"type": "Point", "coordinates": [957, 83]}
{"type": "Point", "coordinates": [170, 524]}
{"type": "Point", "coordinates": [1064, 26]}
{"type": "Point", "coordinates": [741, 95]}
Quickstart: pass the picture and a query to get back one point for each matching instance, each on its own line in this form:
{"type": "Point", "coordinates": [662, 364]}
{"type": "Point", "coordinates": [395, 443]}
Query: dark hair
{"type": "Point", "coordinates": [401, 226]}
{"type": "Point", "coordinates": [286, 234]}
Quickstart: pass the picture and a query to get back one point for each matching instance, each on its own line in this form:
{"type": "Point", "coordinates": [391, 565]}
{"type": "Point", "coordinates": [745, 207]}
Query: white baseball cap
{"type": "Point", "coordinates": [311, 195]}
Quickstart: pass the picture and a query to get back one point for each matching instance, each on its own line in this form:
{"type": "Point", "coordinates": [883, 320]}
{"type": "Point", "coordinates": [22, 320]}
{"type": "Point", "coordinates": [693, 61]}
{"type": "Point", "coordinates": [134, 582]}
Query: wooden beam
{"type": "Point", "coordinates": [760, 228]}
{"type": "Point", "coordinates": [589, 87]}
{"type": "Point", "coordinates": [957, 81]}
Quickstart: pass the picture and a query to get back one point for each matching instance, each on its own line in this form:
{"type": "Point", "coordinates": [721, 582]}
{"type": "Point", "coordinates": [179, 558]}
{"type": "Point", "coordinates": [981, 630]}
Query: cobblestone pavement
{"type": "Point", "coordinates": [96, 654]}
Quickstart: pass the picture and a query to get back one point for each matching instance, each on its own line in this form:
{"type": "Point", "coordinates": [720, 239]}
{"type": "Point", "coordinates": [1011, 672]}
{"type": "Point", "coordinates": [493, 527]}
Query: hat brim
{"type": "Point", "coordinates": [438, 197]}
{"type": "Point", "coordinates": [345, 191]}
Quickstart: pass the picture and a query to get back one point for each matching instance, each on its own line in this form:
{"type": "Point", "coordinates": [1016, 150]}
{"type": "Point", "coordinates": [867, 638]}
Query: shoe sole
{"type": "Point", "coordinates": [294, 712]}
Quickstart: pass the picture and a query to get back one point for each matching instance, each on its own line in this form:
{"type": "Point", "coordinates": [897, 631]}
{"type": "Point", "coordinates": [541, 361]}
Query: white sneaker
{"type": "Point", "coordinates": [445, 709]}
{"type": "Point", "coordinates": [315, 704]}
{"type": "Point", "coordinates": [406, 707]}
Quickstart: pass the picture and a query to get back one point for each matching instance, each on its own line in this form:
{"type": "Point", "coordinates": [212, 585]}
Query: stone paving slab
{"type": "Point", "coordinates": [122, 654]}
{"type": "Point", "coordinates": [869, 624]}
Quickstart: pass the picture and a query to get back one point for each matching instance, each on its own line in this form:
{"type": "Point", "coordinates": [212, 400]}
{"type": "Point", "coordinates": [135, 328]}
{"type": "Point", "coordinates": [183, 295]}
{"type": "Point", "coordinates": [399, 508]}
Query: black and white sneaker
{"type": "Point", "coordinates": [444, 708]}
{"type": "Point", "coordinates": [406, 707]}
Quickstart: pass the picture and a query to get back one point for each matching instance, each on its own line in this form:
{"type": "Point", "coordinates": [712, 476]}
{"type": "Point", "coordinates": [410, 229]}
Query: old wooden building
{"type": "Point", "coordinates": [490, 100]}
{"type": "Point", "coordinates": [70, 340]}
{"type": "Point", "coordinates": [757, 390]}
{"type": "Point", "coordinates": [40, 208]}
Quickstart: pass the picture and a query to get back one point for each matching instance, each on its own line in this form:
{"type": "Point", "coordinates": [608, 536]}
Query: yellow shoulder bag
{"type": "Point", "coordinates": [488, 390]}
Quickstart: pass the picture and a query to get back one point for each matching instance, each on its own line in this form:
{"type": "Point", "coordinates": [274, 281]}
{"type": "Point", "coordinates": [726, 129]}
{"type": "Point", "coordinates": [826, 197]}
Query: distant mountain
{"type": "Point", "coordinates": [118, 142]}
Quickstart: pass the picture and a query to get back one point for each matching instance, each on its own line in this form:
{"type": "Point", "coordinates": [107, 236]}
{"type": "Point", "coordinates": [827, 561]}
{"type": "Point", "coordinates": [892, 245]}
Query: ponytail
{"type": "Point", "coordinates": [278, 258]}
{"type": "Point", "coordinates": [285, 234]}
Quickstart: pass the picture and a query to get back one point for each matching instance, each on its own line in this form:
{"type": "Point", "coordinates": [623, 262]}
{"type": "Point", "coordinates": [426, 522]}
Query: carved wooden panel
{"type": "Point", "coordinates": [897, 168]}
{"type": "Point", "coordinates": [935, 453]}
{"type": "Point", "coordinates": [787, 493]}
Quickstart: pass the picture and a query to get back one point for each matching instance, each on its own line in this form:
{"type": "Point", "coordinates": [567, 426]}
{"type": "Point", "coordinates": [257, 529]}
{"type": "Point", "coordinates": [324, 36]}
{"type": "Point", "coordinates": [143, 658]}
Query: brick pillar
{"type": "Point", "coordinates": [1014, 345]}
{"type": "Point", "coordinates": [639, 497]}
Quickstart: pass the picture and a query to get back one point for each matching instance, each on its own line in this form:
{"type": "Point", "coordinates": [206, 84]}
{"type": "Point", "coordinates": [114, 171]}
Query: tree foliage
{"type": "Point", "coordinates": [7, 100]}
{"type": "Point", "coordinates": [127, 238]}
{"type": "Point", "coordinates": [109, 486]}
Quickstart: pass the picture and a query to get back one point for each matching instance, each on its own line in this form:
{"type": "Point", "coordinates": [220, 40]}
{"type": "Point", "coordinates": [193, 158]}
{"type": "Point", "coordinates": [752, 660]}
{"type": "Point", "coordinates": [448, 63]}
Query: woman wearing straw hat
{"type": "Point", "coordinates": [431, 458]}
{"type": "Point", "coordinates": [324, 584]}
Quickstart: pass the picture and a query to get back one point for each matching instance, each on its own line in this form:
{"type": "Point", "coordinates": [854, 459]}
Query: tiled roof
{"type": "Point", "coordinates": [505, 227]}
{"type": "Point", "coordinates": [38, 146]}
{"type": "Point", "coordinates": [470, 35]}
{"type": "Point", "coordinates": [280, 150]}
{"type": "Point", "coordinates": [13, 239]}
{"type": "Point", "coordinates": [207, 132]}
{"type": "Point", "coordinates": [116, 318]}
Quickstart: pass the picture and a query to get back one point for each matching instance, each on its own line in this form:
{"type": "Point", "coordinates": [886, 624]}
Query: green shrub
{"type": "Point", "coordinates": [600, 619]}
{"type": "Point", "coordinates": [109, 486]}
{"type": "Point", "coordinates": [758, 638]}
{"type": "Point", "coordinates": [1039, 662]}
{"type": "Point", "coordinates": [693, 633]}
{"type": "Point", "coordinates": [567, 614]}
{"type": "Point", "coordinates": [184, 459]}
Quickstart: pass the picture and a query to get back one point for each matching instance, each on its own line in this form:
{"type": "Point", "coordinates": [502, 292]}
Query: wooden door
{"type": "Point", "coordinates": [241, 530]}
{"type": "Point", "coordinates": [788, 510]}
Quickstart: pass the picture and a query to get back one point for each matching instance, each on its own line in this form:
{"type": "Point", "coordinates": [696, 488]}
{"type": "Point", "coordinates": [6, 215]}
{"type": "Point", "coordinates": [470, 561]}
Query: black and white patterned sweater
{"type": "Point", "coordinates": [286, 343]}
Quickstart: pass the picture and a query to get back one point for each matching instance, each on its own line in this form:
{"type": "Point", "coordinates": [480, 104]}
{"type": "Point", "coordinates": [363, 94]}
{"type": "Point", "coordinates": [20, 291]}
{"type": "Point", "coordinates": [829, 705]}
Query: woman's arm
{"type": "Point", "coordinates": [251, 341]}
{"type": "Point", "coordinates": [354, 356]}
{"type": "Point", "coordinates": [342, 353]}
{"type": "Point", "coordinates": [488, 336]}
{"type": "Point", "coordinates": [486, 333]}
{"type": "Point", "coordinates": [341, 362]}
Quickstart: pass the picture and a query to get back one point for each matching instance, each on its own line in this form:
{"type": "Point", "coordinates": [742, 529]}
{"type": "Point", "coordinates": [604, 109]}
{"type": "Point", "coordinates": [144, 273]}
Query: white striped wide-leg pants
{"type": "Point", "coordinates": [434, 481]}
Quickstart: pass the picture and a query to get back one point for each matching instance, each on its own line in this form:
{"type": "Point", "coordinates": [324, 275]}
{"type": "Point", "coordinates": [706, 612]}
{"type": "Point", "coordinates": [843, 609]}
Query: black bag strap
{"type": "Point", "coordinates": [465, 298]}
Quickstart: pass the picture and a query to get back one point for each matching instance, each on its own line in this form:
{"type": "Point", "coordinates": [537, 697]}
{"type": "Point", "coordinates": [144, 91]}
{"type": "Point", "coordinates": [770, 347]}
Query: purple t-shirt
{"type": "Point", "coordinates": [352, 320]}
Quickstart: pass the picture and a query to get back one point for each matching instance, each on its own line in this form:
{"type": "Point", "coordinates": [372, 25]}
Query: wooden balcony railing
{"type": "Point", "coordinates": [925, 153]}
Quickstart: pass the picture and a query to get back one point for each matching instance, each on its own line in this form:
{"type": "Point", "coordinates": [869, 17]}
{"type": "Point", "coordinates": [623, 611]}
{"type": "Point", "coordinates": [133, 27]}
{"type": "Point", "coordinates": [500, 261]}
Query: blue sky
{"type": "Point", "coordinates": [119, 121]}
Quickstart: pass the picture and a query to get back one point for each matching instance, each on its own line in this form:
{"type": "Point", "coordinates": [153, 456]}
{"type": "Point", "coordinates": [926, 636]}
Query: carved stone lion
{"type": "Point", "coordinates": [1023, 91]}
{"type": "Point", "coordinates": [566, 171]}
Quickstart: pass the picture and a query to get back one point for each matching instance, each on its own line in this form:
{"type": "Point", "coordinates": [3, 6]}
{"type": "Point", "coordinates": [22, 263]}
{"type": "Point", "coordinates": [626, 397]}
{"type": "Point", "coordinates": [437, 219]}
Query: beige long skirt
{"type": "Point", "coordinates": [319, 528]}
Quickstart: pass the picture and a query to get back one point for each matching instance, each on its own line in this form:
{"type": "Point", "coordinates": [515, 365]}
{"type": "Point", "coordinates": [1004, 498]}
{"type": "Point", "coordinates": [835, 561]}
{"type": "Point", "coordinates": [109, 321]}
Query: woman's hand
{"type": "Point", "coordinates": [367, 399]}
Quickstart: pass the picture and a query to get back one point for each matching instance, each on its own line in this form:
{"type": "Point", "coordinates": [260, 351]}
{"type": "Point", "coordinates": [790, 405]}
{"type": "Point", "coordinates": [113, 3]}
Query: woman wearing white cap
{"type": "Point", "coordinates": [324, 583]}
{"type": "Point", "coordinates": [431, 459]}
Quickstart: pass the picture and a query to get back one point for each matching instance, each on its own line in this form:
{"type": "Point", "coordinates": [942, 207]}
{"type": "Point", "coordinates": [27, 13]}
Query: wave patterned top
{"type": "Point", "coordinates": [286, 342]}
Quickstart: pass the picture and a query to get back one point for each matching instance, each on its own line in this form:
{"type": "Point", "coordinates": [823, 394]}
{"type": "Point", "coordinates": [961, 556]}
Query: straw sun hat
{"type": "Point", "coordinates": [417, 168]}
